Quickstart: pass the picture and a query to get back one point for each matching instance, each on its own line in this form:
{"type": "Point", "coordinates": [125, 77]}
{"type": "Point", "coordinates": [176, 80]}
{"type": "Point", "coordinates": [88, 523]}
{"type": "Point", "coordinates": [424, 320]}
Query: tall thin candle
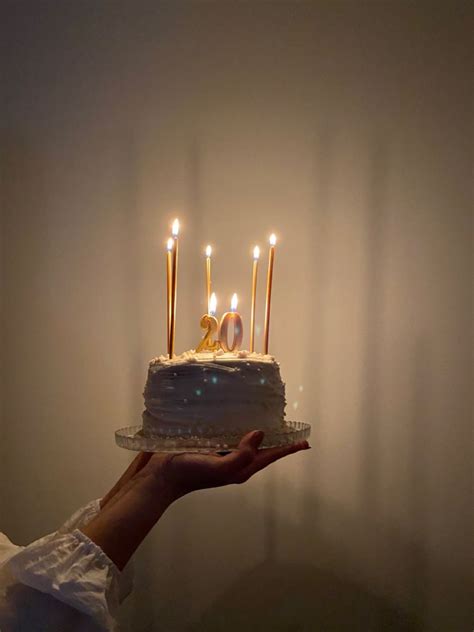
{"type": "Point", "coordinates": [256, 255]}
{"type": "Point", "coordinates": [174, 286]}
{"type": "Point", "coordinates": [169, 264]}
{"type": "Point", "coordinates": [271, 258]}
{"type": "Point", "coordinates": [208, 277]}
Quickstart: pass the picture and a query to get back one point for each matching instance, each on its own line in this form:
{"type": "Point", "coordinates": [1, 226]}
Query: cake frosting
{"type": "Point", "coordinates": [211, 393]}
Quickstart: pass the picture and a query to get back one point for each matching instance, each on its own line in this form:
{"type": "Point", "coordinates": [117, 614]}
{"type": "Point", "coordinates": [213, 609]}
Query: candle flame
{"type": "Point", "coordinates": [213, 304]}
{"type": "Point", "coordinates": [208, 251]}
{"type": "Point", "coordinates": [234, 302]}
{"type": "Point", "coordinates": [256, 252]}
{"type": "Point", "coordinates": [169, 245]}
{"type": "Point", "coordinates": [272, 239]}
{"type": "Point", "coordinates": [175, 228]}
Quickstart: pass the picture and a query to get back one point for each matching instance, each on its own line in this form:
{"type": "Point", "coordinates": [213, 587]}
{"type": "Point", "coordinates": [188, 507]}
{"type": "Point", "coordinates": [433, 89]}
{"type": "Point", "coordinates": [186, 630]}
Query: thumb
{"type": "Point", "coordinates": [244, 454]}
{"type": "Point", "coordinates": [252, 440]}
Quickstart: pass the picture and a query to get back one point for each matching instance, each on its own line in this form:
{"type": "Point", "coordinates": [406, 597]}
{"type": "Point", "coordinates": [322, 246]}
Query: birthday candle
{"type": "Point", "coordinates": [174, 286]}
{"type": "Point", "coordinates": [271, 259]}
{"type": "Point", "coordinates": [256, 255]}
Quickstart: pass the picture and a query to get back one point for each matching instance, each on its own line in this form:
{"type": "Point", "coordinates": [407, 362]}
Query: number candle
{"type": "Point", "coordinates": [234, 317]}
{"type": "Point", "coordinates": [271, 258]}
{"type": "Point", "coordinates": [174, 286]}
{"type": "Point", "coordinates": [256, 255]}
{"type": "Point", "coordinates": [209, 322]}
{"type": "Point", "coordinates": [169, 249]}
{"type": "Point", "coordinates": [208, 276]}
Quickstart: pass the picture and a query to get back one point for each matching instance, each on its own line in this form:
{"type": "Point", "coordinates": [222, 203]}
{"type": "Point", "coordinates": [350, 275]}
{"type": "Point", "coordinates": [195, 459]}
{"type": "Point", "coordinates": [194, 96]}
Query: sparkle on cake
{"type": "Point", "coordinates": [213, 393]}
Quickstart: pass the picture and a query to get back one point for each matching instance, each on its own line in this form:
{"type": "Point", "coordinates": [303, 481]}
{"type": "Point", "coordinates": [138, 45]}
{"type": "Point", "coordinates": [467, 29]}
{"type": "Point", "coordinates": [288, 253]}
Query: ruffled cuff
{"type": "Point", "coordinates": [74, 570]}
{"type": "Point", "coordinates": [7, 549]}
{"type": "Point", "coordinates": [80, 519]}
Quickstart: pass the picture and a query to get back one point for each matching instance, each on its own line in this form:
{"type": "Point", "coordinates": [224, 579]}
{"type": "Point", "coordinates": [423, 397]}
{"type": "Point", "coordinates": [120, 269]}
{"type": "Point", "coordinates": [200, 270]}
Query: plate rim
{"type": "Point", "coordinates": [128, 438]}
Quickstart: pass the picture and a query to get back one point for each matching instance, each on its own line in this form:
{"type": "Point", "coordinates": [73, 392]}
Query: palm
{"type": "Point", "coordinates": [192, 471]}
{"type": "Point", "coordinates": [189, 471]}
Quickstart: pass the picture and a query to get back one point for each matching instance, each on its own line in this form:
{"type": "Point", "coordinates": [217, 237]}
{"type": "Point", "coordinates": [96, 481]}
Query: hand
{"type": "Point", "coordinates": [187, 472]}
{"type": "Point", "coordinates": [153, 481]}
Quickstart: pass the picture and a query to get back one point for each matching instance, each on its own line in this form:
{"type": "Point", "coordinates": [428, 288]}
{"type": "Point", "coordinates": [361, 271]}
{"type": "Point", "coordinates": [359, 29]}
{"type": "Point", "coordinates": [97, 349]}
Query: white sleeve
{"type": "Point", "coordinates": [80, 519]}
{"type": "Point", "coordinates": [61, 581]}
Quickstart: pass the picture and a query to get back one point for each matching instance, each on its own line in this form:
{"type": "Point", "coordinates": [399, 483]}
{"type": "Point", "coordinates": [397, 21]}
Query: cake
{"type": "Point", "coordinates": [212, 393]}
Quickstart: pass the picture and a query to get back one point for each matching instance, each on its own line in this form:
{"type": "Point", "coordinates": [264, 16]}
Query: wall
{"type": "Point", "coordinates": [343, 127]}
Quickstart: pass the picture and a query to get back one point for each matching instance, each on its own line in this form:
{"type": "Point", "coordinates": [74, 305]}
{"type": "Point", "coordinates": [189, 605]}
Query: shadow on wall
{"type": "Point", "coordinates": [298, 598]}
{"type": "Point", "coordinates": [304, 597]}
{"type": "Point", "coordinates": [357, 578]}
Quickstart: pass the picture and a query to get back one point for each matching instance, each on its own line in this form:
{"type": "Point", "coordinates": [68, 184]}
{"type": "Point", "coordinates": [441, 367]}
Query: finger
{"type": "Point", "coordinates": [244, 454]}
{"type": "Point", "coordinates": [266, 456]}
{"type": "Point", "coordinates": [135, 466]}
{"type": "Point", "coordinates": [252, 439]}
{"type": "Point", "coordinates": [270, 455]}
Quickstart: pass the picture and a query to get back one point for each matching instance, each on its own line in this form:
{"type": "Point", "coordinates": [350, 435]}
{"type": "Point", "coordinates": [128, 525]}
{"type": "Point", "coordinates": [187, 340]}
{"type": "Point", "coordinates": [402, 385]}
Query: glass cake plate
{"type": "Point", "coordinates": [132, 438]}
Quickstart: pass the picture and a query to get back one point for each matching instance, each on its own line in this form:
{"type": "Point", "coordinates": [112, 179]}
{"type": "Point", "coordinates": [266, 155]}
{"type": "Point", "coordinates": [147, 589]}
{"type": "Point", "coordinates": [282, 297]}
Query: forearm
{"type": "Point", "coordinates": [123, 524]}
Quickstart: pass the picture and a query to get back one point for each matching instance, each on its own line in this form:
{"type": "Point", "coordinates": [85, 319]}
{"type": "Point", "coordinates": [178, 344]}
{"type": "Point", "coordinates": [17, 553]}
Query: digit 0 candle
{"type": "Point", "coordinates": [256, 255]}
{"type": "Point", "coordinates": [231, 317]}
{"type": "Point", "coordinates": [174, 286]}
{"type": "Point", "coordinates": [271, 259]}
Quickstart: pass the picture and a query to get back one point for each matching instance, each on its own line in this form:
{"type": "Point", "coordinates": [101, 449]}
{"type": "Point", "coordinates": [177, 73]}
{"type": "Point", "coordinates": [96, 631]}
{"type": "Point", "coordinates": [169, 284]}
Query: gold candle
{"type": "Point", "coordinates": [208, 277]}
{"type": "Point", "coordinates": [256, 255]}
{"type": "Point", "coordinates": [271, 258]}
{"type": "Point", "coordinates": [174, 286]}
{"type": "Point", "coordinates": [210, 324]}
{"type": "Point", "coordinates": [234, 317]}
{"type": "Point", "coordinates": [169, 263]}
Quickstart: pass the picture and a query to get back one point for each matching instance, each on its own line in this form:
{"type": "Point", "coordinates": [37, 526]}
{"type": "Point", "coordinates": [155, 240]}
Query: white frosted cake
{"type": "Point", "coordinates": [207, 394]}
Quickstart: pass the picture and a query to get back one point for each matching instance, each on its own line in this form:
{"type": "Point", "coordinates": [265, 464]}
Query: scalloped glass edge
{"type": "Point", "coordinates": [131, 439]}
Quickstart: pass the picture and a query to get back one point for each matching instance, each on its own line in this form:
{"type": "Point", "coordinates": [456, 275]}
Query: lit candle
{"type": "Point", "coordinates": [213, 304]}
{"type": "Point", "coordinates": [174, 286]}
{"type": "Point", "coordinates": [208, 276]}
{"type": "Point", "coordinates": [210, 324]}
{"type": "Point", "coordinates": [256, 255]}
{"type": "Point", "coordinates": [231, 317]}
{"type": "Point", "coordinates": [169, 254]}
{"type": "Point", "coordinates": [271, 258]}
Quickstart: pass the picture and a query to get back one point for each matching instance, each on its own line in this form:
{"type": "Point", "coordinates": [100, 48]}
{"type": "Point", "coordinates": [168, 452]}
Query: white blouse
{"type": "Point", "coordinates": [62, 581]}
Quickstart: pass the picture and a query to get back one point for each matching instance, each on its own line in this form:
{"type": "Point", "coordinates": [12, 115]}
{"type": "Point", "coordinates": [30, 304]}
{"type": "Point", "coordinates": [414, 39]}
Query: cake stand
{"type": "Point", "coordinates": [132, 438]}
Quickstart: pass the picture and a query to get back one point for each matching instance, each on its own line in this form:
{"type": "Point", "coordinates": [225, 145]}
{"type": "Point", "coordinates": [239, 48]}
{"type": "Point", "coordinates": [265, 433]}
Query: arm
{"type": "Point", "coordinates": [70, 579]}
{"type": "Point", "coordinates": [41, 585]}
{"type": "Point", "coordinates": [130, 513]}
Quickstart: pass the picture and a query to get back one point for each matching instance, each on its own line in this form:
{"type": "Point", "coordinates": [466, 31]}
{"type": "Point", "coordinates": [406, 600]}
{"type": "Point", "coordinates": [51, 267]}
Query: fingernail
{"type": "Point", "coordinates": [257, 434]}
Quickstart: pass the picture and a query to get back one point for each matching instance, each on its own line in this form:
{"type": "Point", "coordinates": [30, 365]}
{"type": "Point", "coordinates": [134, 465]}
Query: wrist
{"type": "Point", "coordinates": [122, 525]}
{"type": "Point", "coordinates": [163, 479]}
{"type": "Point", "coordinates": [155, 489]}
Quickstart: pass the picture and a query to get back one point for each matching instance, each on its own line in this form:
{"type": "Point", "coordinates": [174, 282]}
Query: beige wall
{"type": "Point", "coordinates": [342, 126]}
